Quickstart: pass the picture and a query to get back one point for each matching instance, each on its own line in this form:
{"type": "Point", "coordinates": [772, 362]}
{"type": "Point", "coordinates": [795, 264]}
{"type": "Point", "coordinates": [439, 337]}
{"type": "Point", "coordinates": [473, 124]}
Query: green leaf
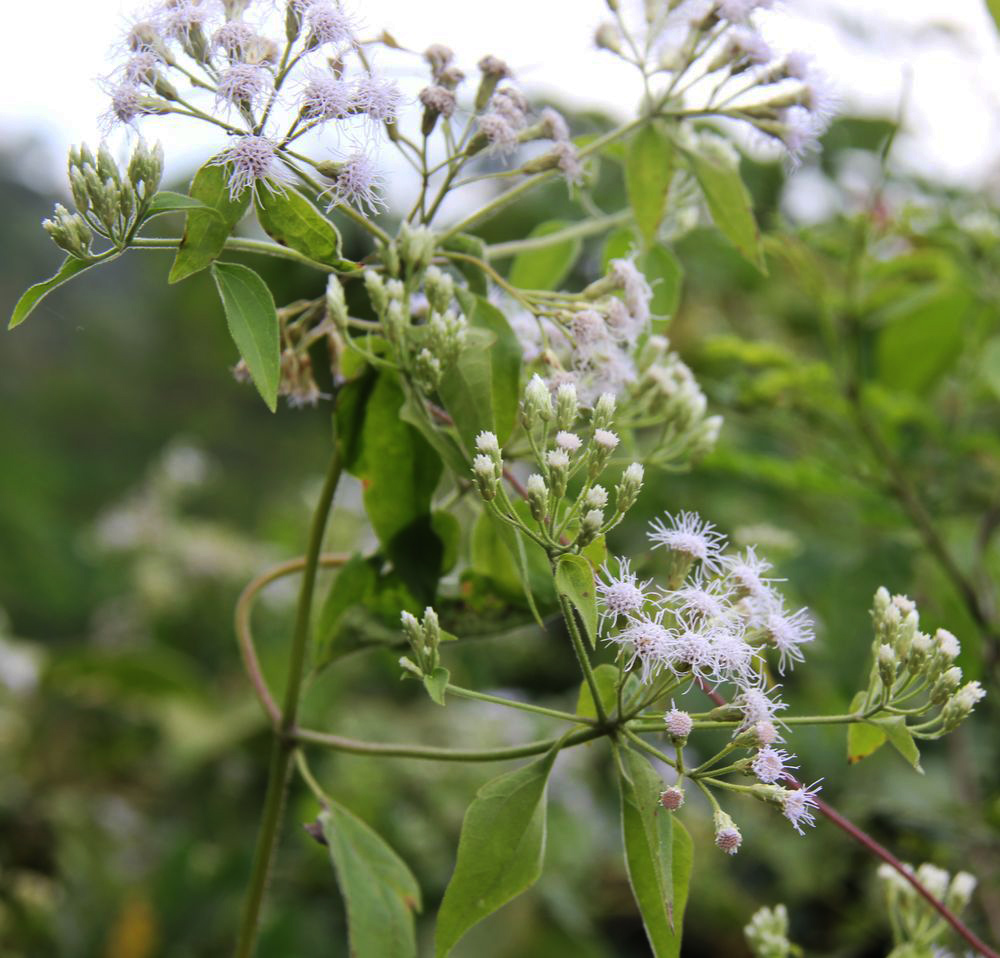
{"type": "Point", "coordinates": [505, 365]}
{"type": "Point", "coordinates": [353, 583]}
{"type": "Point", "coordinates": [466, 388]}
{"type": "Point", "coordinates": [729, 203]}
{"type": "Point", "coordinates": [400, 471]}
{"type": "Point", "coordinates": [606, 679]}
{"type": "Point", "coordinates": [649, 168]}
{"type": "Point", "coordinates": [442, 443]}
{"type": "Point", "coordinates": [993, 6]}
{"type": "Point", "coordinates": [863, 738]}
{"type": "Point", "coordinates": [291, 220]}
{"type": "Point", "coordinates": [665, 275]}
{"type": "Point", "coordinates": [253, 324]}
{"type": "Point", "coordinates": [900, 738]}
{"type": "Point", "coordinates": [35, 294]}
{"type": "Point", "coordinates": [617, 246]}
{"type": "Point", "coordinates": [436, 683]}
{"type": "Point", "coordinates": [658, 855]}
{"type": "Point", "coordinates": [545, 268]}
{"type": "Point", "coordinates": [166, 201]}
{"type": "Point", "coordinates": [923, 337]}
{"type": "Point", "coordinates": [575, 580]}
{"type": "Point", "coordinates": [500, 851]}
{"type": "Point", "coordinates": [989, 363]}
{"type": "Point", "coordinates": [206, 230]}
{"type": "Point", "coordinates": [471, 246]}
{"type": "Point", "coordinates": [380, 892]}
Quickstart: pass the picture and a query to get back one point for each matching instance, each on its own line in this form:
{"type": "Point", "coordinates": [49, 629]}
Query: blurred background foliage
{"type": "Point", "coordinates": [141, 487]}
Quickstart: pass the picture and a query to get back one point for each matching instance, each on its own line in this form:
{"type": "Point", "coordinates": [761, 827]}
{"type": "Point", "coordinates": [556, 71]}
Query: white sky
{"type": "Point", "coordinates": [948, 55]}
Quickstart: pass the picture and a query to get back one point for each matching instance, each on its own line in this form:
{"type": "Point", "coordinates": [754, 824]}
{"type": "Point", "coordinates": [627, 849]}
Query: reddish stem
{"type": "Point", "coordinates": [865, 840]}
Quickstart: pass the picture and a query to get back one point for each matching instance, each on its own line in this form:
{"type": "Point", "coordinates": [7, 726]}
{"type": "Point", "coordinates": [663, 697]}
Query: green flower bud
{"type": "Point", "coordinates": [538, 497]}
{"type": "Point", "coordinates": [336, 303]}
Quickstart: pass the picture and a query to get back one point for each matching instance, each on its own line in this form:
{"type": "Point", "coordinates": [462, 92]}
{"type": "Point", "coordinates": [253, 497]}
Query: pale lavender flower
{"type": "Point", "coordinates": [254, 163]}
{"type": "Point", "coordinates": [588, 329]}
{"type": "Point", "coordinates": [757, 706]}
{"type": "Point", "coordinates": [569, 161]}
{"type": "Point", "coordinates": [127, 105]}
{"type": "Point", "coordinates": [691, 535]}
{"type": "Point", "coordinates": [678, 723]}
{"type": "Point", "coordinates": [235, 39]}
{"type": "Point", "coordinates": [749, 46]}
{"type": "Point", "coordinates": [647, 641]}
{"type": "Point", "coordinates": [358, 182]}
{"type": "Point", "coordinates": [555, 125]}
{"type": "Point", "coordinates": [787, 633]}
{"type": "Point", "coordinates": [325, 97]}
{"type": "Point", "coordinates": [704, 600]}
{"type": "Point", "coordinates": [327, 23]}
{"type": "Point", "coordinates": [672, 798]}
{"type": "Point", "coordinates": [498, 130]}
{"type": "Point", "coordinates": [510, 103]}
{"type": "Point", "coordinates": [178, 19]}
{"type": "Point", "coordinates": [770, 764]}
{"type": "Point", "coordinates": [557, 459]}
{"type": "Point", "coordinates": [243, 85]}
{"type": "Point", "coordinates": [798, 804]}
{"type": "Point", "coordinates": [637, 291]}
{"type": "Point", "coordinates": [621, 593]}
{"type": "Point", "coordinates": [738, 11]}
{"type": "Point", "coordinates": [732, 658]}
{"type": "Point", "coordinates": [141, 68]}
{"type": "Point", "coordinates": [378, 97]}
{"type": "Point", "coordinates": [438, 99]}
{"type": "Point", "coordinates": [746, 573]}
{"type": "Point", "coordinates": [606, 439]}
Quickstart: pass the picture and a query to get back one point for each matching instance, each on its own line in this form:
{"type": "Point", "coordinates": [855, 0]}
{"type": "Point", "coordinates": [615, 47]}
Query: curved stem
{"type": "Point", "coordinates": [237, 245]}
{"type": "Point", "coordinates": [587, 227]}
{"type": "Point", "coordinates": [514, 704]}
{"type": "Point", "coordinates": [283, 745]}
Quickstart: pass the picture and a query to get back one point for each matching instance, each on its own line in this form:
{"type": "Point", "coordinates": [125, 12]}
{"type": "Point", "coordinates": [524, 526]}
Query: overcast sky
{"type": "Point", "coordinates": [946, 55]}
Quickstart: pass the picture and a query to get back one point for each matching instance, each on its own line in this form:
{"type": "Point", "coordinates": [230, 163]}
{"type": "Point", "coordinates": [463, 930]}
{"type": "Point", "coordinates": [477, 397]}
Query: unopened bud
{"type": "Point", "coordinates": [493, 70]}
{"type": "Point", "coordinates": [336, 303]}
{"type": "Point", "coordinates": [427, 370]}
{"type": "Point", "coordinates": [538, 497]}
{"type": "Point", "coordinates": [604, 412]}
{"type": "Point", "coordinates": [960, 891]}
{"type": "Point", "coordinates": [567, 406]}
{"type": "Point", "coordinates": [536, 407]}
{"type": "Point", "coordinates": [596, 497]}
{"type": "Point", "coordinates": [629, 487]}
{"type": "Point", "coordinates": [679, 725]}
{"type": "Point", "coordinates": [590, 528]}
{"type": "Point", "coordinates": [608, 37]}
{"type": "Point", "coordinates": [727, 835]}
{"type": "Point", "coordinates": [376, 291]}
{"type": "Point", "coordinates": [413, 631]}
{"type": "Point", "coordinates": [557, 462]}
{"type": "Point", "coordinates": [887, 665]}
{"type": "Point", "coordinates": [439, 287]}
{"type": "Point", "coordinates": [672, 798]}
{"type": "Point", "coordinates": [487, 480]}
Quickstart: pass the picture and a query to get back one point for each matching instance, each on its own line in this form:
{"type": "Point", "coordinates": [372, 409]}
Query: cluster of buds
{"type": "Point", "coordinates": [427, 348]}
{"type": "Point", "coordinates": [715, 54]}
{"type": "Point", "coordinates": [767, 934]}
{"type": "Point", "coordinates": [564, 458]}
{"type": "Point", "coordinates": [109, 201]}
{"type": "Point", "coordinates": [424, 638]}
{"type": "Point", "coordinates": [912, 665]}
{"type": "Point", "coordinates": [915, 924]}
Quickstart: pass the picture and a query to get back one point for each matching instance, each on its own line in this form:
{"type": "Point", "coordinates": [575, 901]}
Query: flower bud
{"type": "Point", "coordinates": [336, 304]}
{"type": "Point", "coordinates": [679, 725]}
{"type": "Point", "coordinates": [961, 704]}
{"type": "Point", "coordinates": [427, 369]}
{"type": "Point", "coordinates": [946, 684]}
{"type": "Point", "coordinates": [629, 487]}
{"type": "Point", "coordinates": [537, 404]}
{"type": "Point", "coordinates": [440, 288]}
{"type": "Point", "coordinates": [538, 497]}
{"type": "Point", "coordinates": [590, 528]}
{"type": "Point", "coordinates": [432, 629]}
{"type": "Point", "coordinates": [596, 497]}
{"type": "Point", "coordinates": [567, 406]}
{"type": "Point", "coordinates": [960, 891]}
{"type": "Point", "coordinates": [416, 247]}
{"type": "Point", "coordinates": [493, 70]}
{"type": "Point", "coordinates": [604, 443]}
{"type": "Point", "coordinates": [487, 479]}
{"type": "Point", "coordinates": [918, 652]}
{"type": "Point", "coordinates": [557, 466]}
{"type": "Point", "coordinates": [604, 412]}
{"type": "Point", "coordinates": [487, 444]}
{"type": "Point", "coordinates": [608, 37]}
{"type": "Point", "coordinates": [672, 798]}
{"type": "Point", "coordinates": [948, 646]}
{"type": "Point", "coordinates": [934, 879]}
{"type": "Point", "coordinates": [413, 631]}
{"type": "Point", "coordinates": [886, 659]}
{"type": "Point", "coordinates": [727, 835]}
{"type": "Point", "coordinates": [376, 291]}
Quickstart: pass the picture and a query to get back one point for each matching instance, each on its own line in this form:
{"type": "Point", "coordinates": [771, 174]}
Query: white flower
{"type": "Point", "coordinates": [325, 97]}
{"type": "Point", "coordinates": [557, 459]}
{"type": "Point", "coordinates": [554, 124]}
{"type": "Point", "coordinates": [328, 23]}
{"type": "Point", "coordinates": [178, 18]}
{"type": "Point", "coordinates": [704, 600]}
{"type": "Point", "coordinates": [235, 39]}
{"type": "Point", "coordinates": [769, 764]}
{"type": "Point", "coordinates": [798, 803]}
{"type": "Point", "coordinates": [378, 97]}
{"type": "Point", "coordinates": [688, 533]}
{"type": "Point", "coordinates": [438, 99]}
{"type": "Point", "coordinates": [243, 85]}
{"type": "Point", "coordinates": [621, 593]}
{"type": "Point", "coordinates": [569, 441]}
{"type": "Point", "coordinates": [357, 182]}
{"type": "Point", "coordinates": [254, 163]}
{"type": "Point", "coordinates": [732, 658]}
{"type": "Point", "coordinates": [787, 632]}
{"type": "Point", "coordinates": [569, 161]}
{"type": "Point", "coordinates": [738, 11]}
{"type": "Point", "coordinates": [127, 105]}
{"type": "Point", "coordinates": [597, 497]}
{"type": "Point", "coordinates": [649, 643]}
{"type": "Point", "coordinates": [511, 105]}
{"type": "Point", "coordinates": [746, 573]}
{"type": "Point", "coordinates": [756, 706]}
{"type": "Point", "coordinates": [637, 291]}
{"type": "Point", "coordinates": [499, 131]}
{"type": "Point", "coordinates": [605, 439]}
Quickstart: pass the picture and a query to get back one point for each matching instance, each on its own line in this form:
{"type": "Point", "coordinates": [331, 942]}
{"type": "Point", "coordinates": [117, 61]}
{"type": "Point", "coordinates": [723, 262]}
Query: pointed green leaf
{"type": "Point", "coordinates": [35, 294]}
{"type": "Point", "coordinates": [665, 275]}
{"type": "Point", "coordinates": [500, 851]}
{"type": "Point", "coordinates": [353, 583]}
{"type": "Point", "coordinates": [900, 738]}
{"type": "Point", "coordinates": [206, 232]}
{"type": "Point", "coordinates": [291, 220]}
{"type": "Point", "coordinates": [649, 168]}
{"type": "Point", "coordinates": [436, 683]}
{"type": "Point", "coordinates": [606, 679]}
{"type": "Point", "coordinates": [863, 738]}
{"type": "Point", "coordinates": [166, 201]}
{"type": "Point", "coordinates": [658, 855]}
{"type": "Point", "coordinates": [545, 268]}
{"type": "Point", "coordinates": [380, 892]}
{"type": "Point", "coordinates": [729, 203]}
{"type": "Point", "coordinates": [253, 324]}
{"type": "Point", "coordinates": [575, 580]}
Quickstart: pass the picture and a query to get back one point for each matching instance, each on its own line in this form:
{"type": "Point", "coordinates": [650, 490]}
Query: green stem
{"type": "Point", "coordinates": [646, 747]}
{"type": "Point", "coordinates": [582, 658]}
{"type": "Point", "coordinates": [587, 227]}
{"type": "Point", "coordinates": [434, 754]}
{"type": "Point", "coordinates": [283, 745]}
{"type": "Point", "coordinates": [513, 704]}
{"type": "Point", "coordinates": [237, 245]}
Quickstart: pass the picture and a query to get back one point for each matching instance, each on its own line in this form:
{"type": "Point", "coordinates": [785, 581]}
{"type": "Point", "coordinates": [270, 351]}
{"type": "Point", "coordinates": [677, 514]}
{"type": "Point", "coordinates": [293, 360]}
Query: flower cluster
{"type": "Point", "coordinates": [714, 62]}
{"type": "Point", "coordinates": [767, 933]}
